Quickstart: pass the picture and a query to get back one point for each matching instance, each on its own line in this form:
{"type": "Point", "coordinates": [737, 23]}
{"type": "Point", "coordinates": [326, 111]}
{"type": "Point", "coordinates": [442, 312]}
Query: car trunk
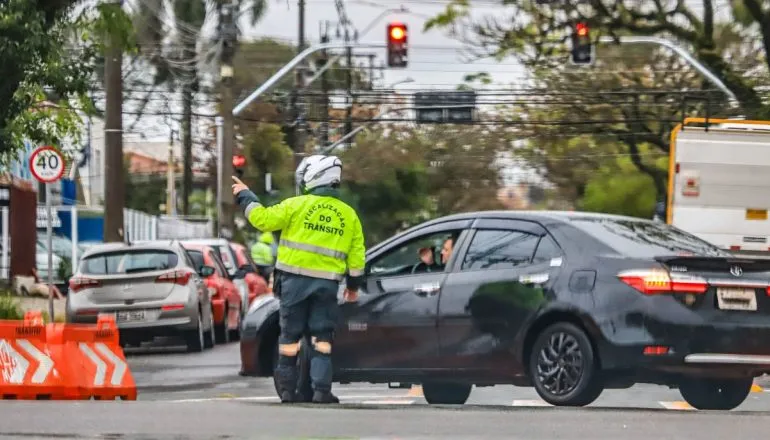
{"type": "Point", "coordinates": [734, 288]}
{"type": "Point", "coordinates": [132, 287]}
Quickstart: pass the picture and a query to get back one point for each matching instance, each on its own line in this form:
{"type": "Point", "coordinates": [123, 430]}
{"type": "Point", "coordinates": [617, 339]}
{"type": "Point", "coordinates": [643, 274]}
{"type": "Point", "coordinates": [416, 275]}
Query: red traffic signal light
{"type": "Point", "coordinates": [239, 160]}
{"type": "Point", "coordinates": [397, 45]}
{"type": "Point", "coordinates": [581, 30]}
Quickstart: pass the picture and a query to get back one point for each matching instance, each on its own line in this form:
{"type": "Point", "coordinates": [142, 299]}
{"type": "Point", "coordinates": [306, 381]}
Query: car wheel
{"type": "Point", "coordinates": [563, 367]}
{"type": "Point", "coordinates": [236, 334]}
{"type": "Point", "coordinates": [721, 394]}
{"type": "Point", "coordinates": [195, 337]}
{"type": "Point", "coordinates": [209, 335]}
{"type": "Point", "coordinates": [304, 392]}
{"type": "Point", "coordinates": [438, 393]}
{"type": "Point", "coordinates": [223, 335]}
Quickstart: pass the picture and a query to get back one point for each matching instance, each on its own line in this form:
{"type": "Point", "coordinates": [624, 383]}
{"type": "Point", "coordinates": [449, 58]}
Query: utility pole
{"type": "Point", "coordinates": [297, 122]}
{"type": "Point", "coordinates": [113, 137]}
{"type": "Point", "coordinates": [171, 178]}
{"type": "Point", "coordinates": [371, 70]}
{"type": "Point", "coordinates": [349, 97]}
{"type": "Point", "coordinates": [228, 34]}
{"type": "Point", "coordinates": [325, 88]}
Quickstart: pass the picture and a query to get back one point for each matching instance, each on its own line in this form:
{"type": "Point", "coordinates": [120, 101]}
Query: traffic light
{"type": "Point", "coordinates": [239, 162]}
{"type": "Point", "coordinates": [397, 45]}
{"type": "Point", "coordinates": [582, 47]}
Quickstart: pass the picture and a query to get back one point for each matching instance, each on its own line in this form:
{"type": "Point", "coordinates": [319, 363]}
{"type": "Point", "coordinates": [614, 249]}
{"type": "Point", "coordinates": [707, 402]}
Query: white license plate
{"type": "Point", "coordinates": [130, 316]}
{"type": "Point", "coordinates": [737, 299]}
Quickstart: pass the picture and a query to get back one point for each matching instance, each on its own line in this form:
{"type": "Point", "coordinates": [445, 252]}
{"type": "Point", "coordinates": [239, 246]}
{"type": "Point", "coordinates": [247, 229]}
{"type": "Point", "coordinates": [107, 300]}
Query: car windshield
{"type": "Point", "coordinates": [197, 258]}
{"type": "Point", "coordinates": [126, 262]}
{"type": "Point", "coordinates": [646, 239]}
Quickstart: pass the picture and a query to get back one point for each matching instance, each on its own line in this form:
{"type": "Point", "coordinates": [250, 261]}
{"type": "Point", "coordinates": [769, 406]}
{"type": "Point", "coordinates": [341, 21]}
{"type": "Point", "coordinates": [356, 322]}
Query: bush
{"type": "Point", "coordinates": [10, 307]}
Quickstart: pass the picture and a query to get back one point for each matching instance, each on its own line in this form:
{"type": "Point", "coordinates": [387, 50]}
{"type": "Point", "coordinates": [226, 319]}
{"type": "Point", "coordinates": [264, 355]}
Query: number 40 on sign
{"type": "Point", "coordinates": [46, 164]}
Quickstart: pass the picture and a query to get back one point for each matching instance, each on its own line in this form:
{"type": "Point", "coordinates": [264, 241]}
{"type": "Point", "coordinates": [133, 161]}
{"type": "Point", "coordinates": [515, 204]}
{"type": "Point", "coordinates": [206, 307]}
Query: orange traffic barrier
{"type": "Point", "coordinates": [26, 370]}
{"type": "Point", "coordinates": [92, 360]}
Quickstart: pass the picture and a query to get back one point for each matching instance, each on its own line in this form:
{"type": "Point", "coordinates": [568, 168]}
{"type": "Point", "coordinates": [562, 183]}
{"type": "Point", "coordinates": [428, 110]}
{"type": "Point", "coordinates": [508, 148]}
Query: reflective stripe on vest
{"type": "Point", "coordinates": [309, 272]}
{"type": "Point", "coordinates": [313, 248]}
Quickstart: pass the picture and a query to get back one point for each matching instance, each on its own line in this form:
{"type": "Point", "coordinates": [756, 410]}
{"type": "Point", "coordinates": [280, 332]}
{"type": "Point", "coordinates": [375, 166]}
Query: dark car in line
{"type": "Point", "coordinates": [570, 303]}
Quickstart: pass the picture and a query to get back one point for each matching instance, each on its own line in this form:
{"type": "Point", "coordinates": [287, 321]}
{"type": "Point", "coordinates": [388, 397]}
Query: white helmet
{"type": "Point", "coordinates": [318, 170]}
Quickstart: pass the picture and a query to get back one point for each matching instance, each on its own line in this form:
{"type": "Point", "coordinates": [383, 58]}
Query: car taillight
{"type": "Point", "coordinates": [767, 291]}
{"type": "Point", "coordinates": [80, 283]}
{"type": "Point", "coordinates": [653, 282]}
{"type": "Point", "coordinates": [180, 277]}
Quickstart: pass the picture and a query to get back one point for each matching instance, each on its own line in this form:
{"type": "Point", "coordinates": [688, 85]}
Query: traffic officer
{"type": "Point", "coordinates": [262, 254]}
{"type": "Point", "coordinates": [321, 244]}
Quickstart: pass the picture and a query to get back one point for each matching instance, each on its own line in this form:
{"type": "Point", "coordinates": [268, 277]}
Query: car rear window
{"type": "Point", "coordinates": [127, 262]}
{"type": "Point", "coordinates": [644, 239]}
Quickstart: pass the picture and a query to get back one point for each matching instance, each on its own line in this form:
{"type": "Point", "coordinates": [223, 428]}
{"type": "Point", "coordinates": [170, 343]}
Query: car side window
{"type": "Point", "coordinates": [221, 271]}
{"type": "Point", "coordinates": [499, 249]}
{"type": "Point", "coordinates": [547, 250]}
{"type": "Point", "coordinates": [419, 255]}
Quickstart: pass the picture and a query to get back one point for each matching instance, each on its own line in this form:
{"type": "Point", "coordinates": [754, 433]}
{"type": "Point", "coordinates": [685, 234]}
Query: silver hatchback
{"type": "Point", "coordinates": [151, 288]}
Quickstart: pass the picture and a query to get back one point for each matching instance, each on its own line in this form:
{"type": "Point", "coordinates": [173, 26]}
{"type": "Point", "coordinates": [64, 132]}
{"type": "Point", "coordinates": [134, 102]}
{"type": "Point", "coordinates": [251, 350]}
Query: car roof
{"type": "Point", "coordinates": [539, 216]}
{"type": "Point", "coordinates": [144, 245]}
{"type": "Point", "coordinates": [207, 241]}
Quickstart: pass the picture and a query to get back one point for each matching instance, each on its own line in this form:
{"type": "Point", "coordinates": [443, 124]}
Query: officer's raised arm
{"type": "Point", "coordinates": [267, 219]}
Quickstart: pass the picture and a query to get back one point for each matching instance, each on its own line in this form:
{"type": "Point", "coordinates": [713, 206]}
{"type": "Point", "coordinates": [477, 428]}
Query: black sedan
{"type": "Point", "coordinates": [570, 303]}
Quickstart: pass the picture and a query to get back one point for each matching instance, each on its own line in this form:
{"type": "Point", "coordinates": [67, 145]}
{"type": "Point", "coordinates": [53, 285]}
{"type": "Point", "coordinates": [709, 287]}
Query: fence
{"type": "Point", "coordinates": [82, 225]}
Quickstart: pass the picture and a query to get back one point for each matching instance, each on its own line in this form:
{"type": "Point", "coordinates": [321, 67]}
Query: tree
{"type": "Point", "coordinates": [144, 192]}
{"type": "Point", "coordinates": [173, 50]}
{"type": "Point", "coordinates": [540, 30]}
{"type": "Point", "coordinates": [577, 120]}
{"type": "Point", "coordinates": [397, 177]}
{"type": "Point", "coordinates": [38, 67]}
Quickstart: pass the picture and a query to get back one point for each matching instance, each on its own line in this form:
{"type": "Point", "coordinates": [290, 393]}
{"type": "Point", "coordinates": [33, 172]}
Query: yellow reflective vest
{"type": "Point", "coordinates": [321, 236]}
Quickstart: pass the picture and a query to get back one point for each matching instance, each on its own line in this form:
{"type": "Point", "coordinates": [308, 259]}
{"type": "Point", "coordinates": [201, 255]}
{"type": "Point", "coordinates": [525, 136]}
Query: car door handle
{"type": "Point", "coordinates": [427, 289]}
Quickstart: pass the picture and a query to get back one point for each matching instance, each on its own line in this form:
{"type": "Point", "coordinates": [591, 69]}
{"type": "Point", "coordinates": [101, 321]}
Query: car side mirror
{"type": "Point", "coordinates": [206, 271]}
{"type": "Point", "coordinates": [246, 268]}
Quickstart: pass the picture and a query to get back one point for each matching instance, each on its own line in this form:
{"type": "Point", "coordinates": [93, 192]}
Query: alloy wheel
{"type": "Point", "coordinates": [560, 364]}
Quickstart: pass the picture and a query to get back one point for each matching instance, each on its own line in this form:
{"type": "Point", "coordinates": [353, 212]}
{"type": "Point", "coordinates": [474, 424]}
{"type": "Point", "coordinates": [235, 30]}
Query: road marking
{"type": "Point", "coordinates": [415, 391]}
{"type": "Point", "coordinates": [539, 403]}
{"type": "Point", "coordinates": [270, 398]}
{"type": "Point", "coordinates": [756, 388]}
{"type": "Point", "coordinates": [45, 364]}
{"type": "Point", "coordinates": [385, 402]}
{"type": "Point", "coordinates": [677, 405]}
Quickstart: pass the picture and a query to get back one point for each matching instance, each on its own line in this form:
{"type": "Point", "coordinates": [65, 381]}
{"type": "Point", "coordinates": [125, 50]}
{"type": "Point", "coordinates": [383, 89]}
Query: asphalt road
{"type": "Point", "coordinates": [200, 396]}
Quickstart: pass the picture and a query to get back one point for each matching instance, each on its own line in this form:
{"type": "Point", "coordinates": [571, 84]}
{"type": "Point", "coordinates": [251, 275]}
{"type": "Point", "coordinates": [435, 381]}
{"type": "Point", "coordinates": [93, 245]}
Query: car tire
{"type": "Point", "coordinates": [715, 394]}
{"type": "Point", "coordinates": [445, 393]}
{"type": "Point", "coordinates": [210, 335]}
{"type": "Point", "coordinates": [304, 392]}
{"type": "Point", "coordinates": [195, 338]}
{"type": "Point", "coordinates": [235, 335]}
{"type": "Point", "coordinates": [223, 335]}
{"type": "Point", "coordinates": [566, 350]}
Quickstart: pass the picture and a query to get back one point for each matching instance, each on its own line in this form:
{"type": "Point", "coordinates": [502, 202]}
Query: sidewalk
{"type": "Point", "coordinates": [34, 303]}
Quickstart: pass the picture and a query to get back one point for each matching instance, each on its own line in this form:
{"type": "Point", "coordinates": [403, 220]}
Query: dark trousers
{"type": "Point", "coordinates": [308, 306]}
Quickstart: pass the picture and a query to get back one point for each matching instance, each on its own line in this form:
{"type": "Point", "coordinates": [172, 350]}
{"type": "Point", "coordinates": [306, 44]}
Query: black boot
{"type": "Point", "coordinates": [325, 397]}
{"type": "Point", "coordinates": [286, 379]}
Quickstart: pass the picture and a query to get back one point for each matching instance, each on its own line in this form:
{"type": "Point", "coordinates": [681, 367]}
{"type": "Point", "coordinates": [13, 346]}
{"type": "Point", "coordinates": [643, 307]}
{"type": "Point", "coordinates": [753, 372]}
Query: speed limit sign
{"type": "Point", "coordinates": [46, 164]}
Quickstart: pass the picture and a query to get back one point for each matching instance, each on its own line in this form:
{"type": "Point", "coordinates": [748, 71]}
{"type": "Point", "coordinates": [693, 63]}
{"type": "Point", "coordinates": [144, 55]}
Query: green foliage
{"type": "Point", "coordinates": [10, 307]}
{"type": "Point", "coordinates": [627, 194]}
{"type": "Point", "coordinates": [37, 67]}
{"type": "Point", "coordinates": [266, 152]}
{"type": "Point", "coordinates": [144, 192]}
{"type": "Point", "coordinates": [64, 271]}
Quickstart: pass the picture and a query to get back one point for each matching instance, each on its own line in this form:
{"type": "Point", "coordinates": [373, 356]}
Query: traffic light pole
{"type": "Point", "coordinates": [259, 91]}
{"type": "Point", "coordinates": [703, 70]}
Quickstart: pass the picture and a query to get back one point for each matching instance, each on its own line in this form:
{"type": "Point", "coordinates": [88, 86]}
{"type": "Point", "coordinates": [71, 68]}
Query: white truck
{"type": "Point", "coordinates": [719, 183]}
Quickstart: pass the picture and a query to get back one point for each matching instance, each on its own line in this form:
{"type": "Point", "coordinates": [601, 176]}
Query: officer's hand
{"type": "Point", "coordinates": [350, 295]}
{"type": "Point", "coordinates": [238, 186]}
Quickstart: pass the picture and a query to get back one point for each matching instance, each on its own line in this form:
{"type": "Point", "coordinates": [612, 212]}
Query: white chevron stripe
{"type": "Point", "coordinates": [45, 364]}
{"type": "Point", "coordinates": [14, 366]}
{"type": "Point", "coordinates": [101, 367]}
{"type": "Point", "coordinates": [120, 366]}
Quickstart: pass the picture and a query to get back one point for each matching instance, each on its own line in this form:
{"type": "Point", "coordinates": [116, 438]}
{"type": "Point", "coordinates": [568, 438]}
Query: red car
{"type": "Point", "coordinates": [226, 301]}
{"type": "Point", "coordinates": [257, 284]}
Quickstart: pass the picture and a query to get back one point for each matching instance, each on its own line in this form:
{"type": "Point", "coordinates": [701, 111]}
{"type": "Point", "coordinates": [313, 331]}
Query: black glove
{"type": "Point", "coordinates": [246, 197]}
